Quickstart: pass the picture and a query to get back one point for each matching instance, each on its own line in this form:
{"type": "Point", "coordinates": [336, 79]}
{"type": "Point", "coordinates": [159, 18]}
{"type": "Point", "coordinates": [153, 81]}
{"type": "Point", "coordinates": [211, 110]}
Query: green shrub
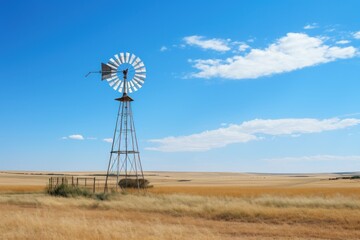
{"type": "Point", "coordinates": [134, 183]}
{"type": "Point", "coordinates": [65, 190]}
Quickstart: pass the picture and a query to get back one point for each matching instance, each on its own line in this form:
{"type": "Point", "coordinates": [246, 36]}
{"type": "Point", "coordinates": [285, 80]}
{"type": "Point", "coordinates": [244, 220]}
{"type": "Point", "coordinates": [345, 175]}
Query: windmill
{"type": "Point", "coordinates": [125, 73]}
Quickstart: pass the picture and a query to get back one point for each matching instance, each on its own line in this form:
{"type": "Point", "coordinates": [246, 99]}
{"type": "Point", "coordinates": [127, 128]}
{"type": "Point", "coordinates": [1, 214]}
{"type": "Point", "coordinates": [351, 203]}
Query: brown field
{"type": "Point", "coordinates": [186, 206]}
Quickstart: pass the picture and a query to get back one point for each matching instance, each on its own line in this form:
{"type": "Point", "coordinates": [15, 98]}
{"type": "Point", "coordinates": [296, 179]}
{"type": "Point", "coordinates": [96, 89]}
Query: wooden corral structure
{"type": "Point", "coordinates": [92, 184]}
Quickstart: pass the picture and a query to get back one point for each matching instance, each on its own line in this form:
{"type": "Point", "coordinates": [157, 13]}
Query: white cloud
{"type": "Point", "coordinates": [249, 131]}
{"type": "Point", "coordinates": [357, 35]}
{"type": "Point", "coordinates": [163, 48]}
{"type": "Point", "coordinates": [108, 140]}
{"type": "Point", "coordinates": [291, 52]}
{"type": "Point", "coordinates": [343, 42]}
{"type": "Point", "coordinates": [311, 26]}
{"type": "Point", "coordinates": [243, 47]}
{"type": "Point", "coordinates": [76, 137]}
{"type": "Point", "coordinates": [314, 158]}
{"type": "Point", "coordinates": [290, 126]}
{"type": "Point", "coordinates": [220, 45]}
{"type": "Point", "coordinates": [202, 141]}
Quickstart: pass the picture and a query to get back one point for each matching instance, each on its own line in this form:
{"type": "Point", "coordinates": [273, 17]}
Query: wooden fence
{"type": "Point", "coordinates": [93, 184]}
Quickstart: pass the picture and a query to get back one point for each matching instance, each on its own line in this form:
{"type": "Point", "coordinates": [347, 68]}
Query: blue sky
{"type": "Point", "coordinates": [243, 86]}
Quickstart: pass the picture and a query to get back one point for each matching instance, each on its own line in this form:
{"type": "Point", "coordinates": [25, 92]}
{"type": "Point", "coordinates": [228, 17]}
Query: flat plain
{"type": "Point", "coordinates": [186, 205]}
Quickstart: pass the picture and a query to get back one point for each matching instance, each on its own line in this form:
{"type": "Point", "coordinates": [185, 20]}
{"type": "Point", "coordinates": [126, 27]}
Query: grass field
{"type": "Point", "coordinates": [237, 206]}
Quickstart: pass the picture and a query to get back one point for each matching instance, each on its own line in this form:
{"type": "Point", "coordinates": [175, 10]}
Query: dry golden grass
{"type": "Point", "coordinates": [89, 224]}
{"type": "Point", "coordinates": [174, 216]}
{"type": "Point", "coordinates": [209, 206]}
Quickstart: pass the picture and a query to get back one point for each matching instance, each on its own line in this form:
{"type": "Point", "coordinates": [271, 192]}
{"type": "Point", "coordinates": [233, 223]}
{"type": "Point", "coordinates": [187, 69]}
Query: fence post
{"type": "Point", "coordinates": [94, 185]}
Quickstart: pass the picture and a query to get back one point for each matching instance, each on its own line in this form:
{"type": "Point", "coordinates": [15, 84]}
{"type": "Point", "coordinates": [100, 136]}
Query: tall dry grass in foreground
{"type": "Point", "coordinates": [175, 216]}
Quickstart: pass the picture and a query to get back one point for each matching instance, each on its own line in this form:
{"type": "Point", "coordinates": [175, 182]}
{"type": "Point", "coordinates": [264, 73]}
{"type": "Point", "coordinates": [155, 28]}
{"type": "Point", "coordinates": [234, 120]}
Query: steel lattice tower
{"type": "Point", "coordinates": [124, 163]}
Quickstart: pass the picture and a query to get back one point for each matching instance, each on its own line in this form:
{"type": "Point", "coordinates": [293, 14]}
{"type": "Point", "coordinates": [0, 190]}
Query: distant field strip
{"type": "Point", "coordinates": [235, 191]}
{"type": "Point", "coordinates": [231, 191]}
{"type": "Point", "coordinates": [21, 189]}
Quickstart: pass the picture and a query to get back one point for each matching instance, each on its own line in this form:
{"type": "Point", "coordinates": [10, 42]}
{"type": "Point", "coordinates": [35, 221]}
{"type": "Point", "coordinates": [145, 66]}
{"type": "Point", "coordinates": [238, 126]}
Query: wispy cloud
{"type": "Point", "coordinates": [163, 49]}
{"type": "Point", "coordinates": [291, 52]}
{"type": "Point", "coordinates": [314, 158]}
{"type": "Point", "coordinates": [241, 46]}
{"type": "Point", "coordinates": [343, 42]}
{"type": "Point", "coordinates": [249, 131]}
{"type": "Point", "coordinates": [349, 115]}
{"type": "Point", "coordinates": [357, 35]}
{"type": "Point", "coordinates": [81, 137]}
{"type": "Point", "coordinates": [108, 140]}
{"type": "Point", "coordinates": [311, 26]}
{"type": "Point", "coordinates": [216, 44]}
{"type": "Point", "coordinates": [74, 137]}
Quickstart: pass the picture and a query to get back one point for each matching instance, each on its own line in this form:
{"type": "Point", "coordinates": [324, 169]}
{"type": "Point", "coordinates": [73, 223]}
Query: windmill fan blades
{"type": "Point", "coordinates": [121, 87]}
{"type": "Point", "coordinates": [122, 57]}
{"type": "Point", "coordinates": [132, 59]}
{"type": "Point", "coordinates": [140, 69]}
{"type": "Point", "coordinates": [139, 80]}
{"type": "Point", "coordinates": [140, 75]}
{"type": "Point", "coordinates": [136, 62]}
{"type": "Point", "coordinates": [125, 72]}
{"type": "Point", "coordinates": [127, 57]}
{"type": "Point", "coordinates": [112, 83]}
{"type": "Point", "coordinates": [128, 88]}
{"type": "Point", "coordinates": [117, 85]}
{"type": "Point", "coordinates": [113, 62]}
{"type": "Point", "coordinates": [112, 78]}
{"type": "Point", "coordinates": [137, 83]}
{"type": "Point", "coordinates": [118, 59]}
